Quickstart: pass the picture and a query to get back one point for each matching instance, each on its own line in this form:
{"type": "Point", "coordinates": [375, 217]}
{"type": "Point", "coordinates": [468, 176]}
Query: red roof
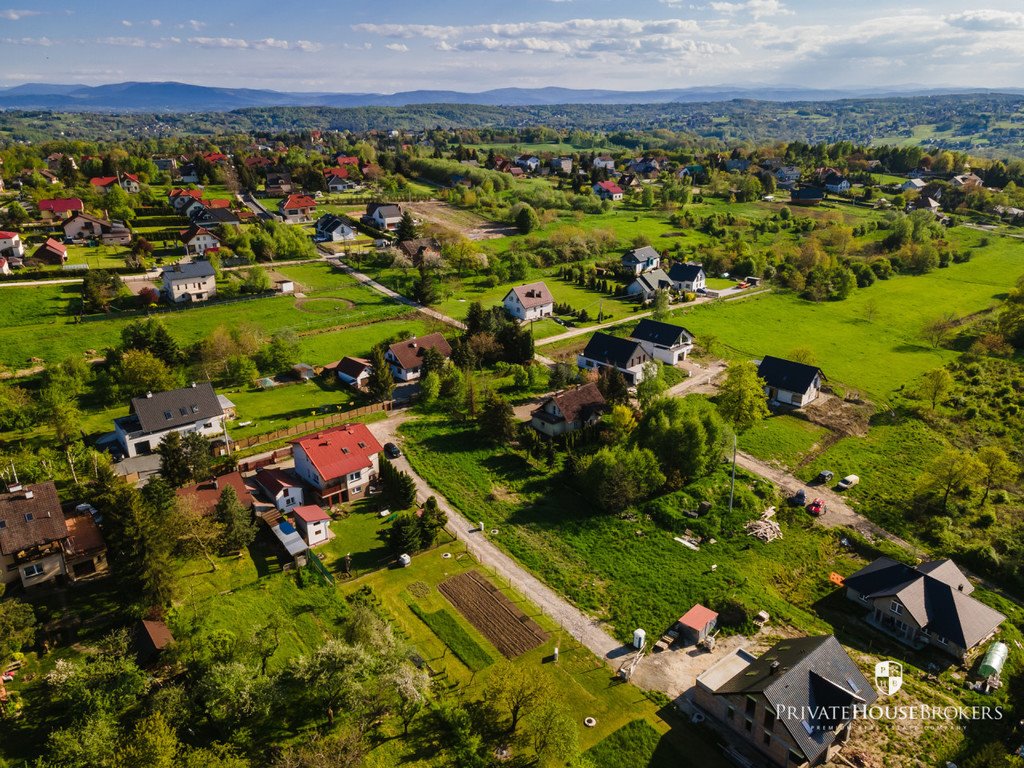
{"type": "Point", "coordinates": [196, 194]}
{"type": "Point", "coordinates": [337, 173]}
{"type": "Point", "coordinates": [61, 205]}
{"type": "Point", "coordinates": [131, 176]}
{"type": "Point", "coordinates": [297, 201]}
{"type": "Point", "coordinates": [610, 186]}
{"type": "Point", "coordinates": [698, 617]}
{"type": "Point", "coordinates": [7, 235]}
{"type": "Point", "coordinates": [218, 203]}
{"type": "Point", "coordinates": [208, 494]}
{"type": "Point", "coordinates": [340, 451]}
{"type": "Point", "coordinates": [214, 157]}
{"type": "Point", "coordinates": [103, 181]}
{"type": "Point", "coordinates": [55, 245]}
{"type": "Point", "coordinates": [347, 160]}
{"type": "Point", "coordinates": [273, 481]}
{"type": "Point", "coordinates": [311, 513]}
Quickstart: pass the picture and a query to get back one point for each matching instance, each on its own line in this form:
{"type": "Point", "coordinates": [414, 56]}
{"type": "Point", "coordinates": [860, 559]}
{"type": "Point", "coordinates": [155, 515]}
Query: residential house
{"type": "Point", "coordinates": [54, 160]}
{"type": "Point", "coordinates": [279, 184]}
{"type": "Point", "coordinates": [297, 208]}
{"type": "Point", "coordinates": [836, 183]}
{"type": "Point", "coordinates": [688, 277]}
{"type": "Point", "coordinates": [788, 382]}
{"type": "Point", "coordinates": [84, 226]}
{"type": "Point", "coordinates": [787, 176]}
{"type": "Point", "coordinates": [258, 161]}
{"type": "Point", "coordinates": [337, 179]}
{"type": "Point", "coordinates": [189, 174]}
{"type": "Point", "coordinates": [151, 418]}
{"type": "Point", "coordinates": [5, 266]}
{"type": "Point", "coordinates": [354, 371]}
{"type": "Point", "coordinates": [168, 164]}
{"type": "Point", "coordinates": [628, 181]}
{"type": "Point", "coordinates": [737, 165]}
{"type": "Point", "coordinates": [51, 252]}
{"type": "Point", "coordinates": [189, 282]}
{"type": "Point", "coordinates": [562, 165]}
{"type": "Point", "coordinates": [568, 410]}
{"type": "Point", "coordinates": [205, 495]}
{"type": "Point", "coordinates": [529, 163]}
{"type": "Point", "coordinates": [605, 162]}
{"type": "Point", "coordinates": [929, 604]}
{"type": "Point", "coordinates": [966, 181]}
{"type": "Point", "coordinates": [213, 158]}
{"type": "Point", "coordinates": [149, 640]}
{"type": "Point", "coordinates": [282, 488]}
{"type": "Point", "coordinates": [313, 524]}
{"type": "Point", "coordinates": [913, 185]}
{"type": "Point", "coordinates": [529, 302]}
{"type": "Point", "coordinates": [331, 228]}
{"type": "Point", "coordinates": [645, 166]}
{"type": "Point", "coordinates": [607, 190]}
{"type": "Point", "coordinates": [39, 544]}
{"type": "Point", "coordinates": [346, 160]}
{"type": "Point", "coordinates": [648, 284]}
{"type": "Point", "coordinates": [806, 196]}
{"type": "Point", "coordinates": [794, 704]}
{"type": "Point", "coordinates": [340, 463]}
{"type": "Point", "coordinates": [406, 357]}
{"type": "Point", "coordinates": [178, 198]}
{"type": "Point", "coordinates": [383, 216]}
{"type": "Point", "coordinates": [643, 259]}
{"type": "Point", "coordinates": [626, 355]}
{"type": "Point", "coordinates": [50, 177]}
{"type": "Point", "coordinates": [421, 249]}
{"type": "Point", "coordinates": [59, 207]}
{"type": "Point", "coordinates": [216, 215]}
{"type": "Point", "coordinates": [129, 182]}
{"type": "Point", "coordinates": [663, 341]}
{"type": "Point", "coordinates": [11, 246]}
{"type": "Point", "coordinates": [198, 240]}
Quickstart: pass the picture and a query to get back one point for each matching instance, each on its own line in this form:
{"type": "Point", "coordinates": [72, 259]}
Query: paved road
{"type": "Point", "coordinates": [585, 629]}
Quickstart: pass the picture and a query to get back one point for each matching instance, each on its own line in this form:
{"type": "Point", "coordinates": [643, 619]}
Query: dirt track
{"type": "Point", "coordinates": [468, 224]}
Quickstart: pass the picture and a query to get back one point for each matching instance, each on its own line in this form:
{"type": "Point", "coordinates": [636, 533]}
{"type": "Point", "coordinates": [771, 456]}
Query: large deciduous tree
{"type": "Point", "coordinates": [742, 400]}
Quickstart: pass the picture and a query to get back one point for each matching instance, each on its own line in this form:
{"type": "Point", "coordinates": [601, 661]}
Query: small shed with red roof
{"type": "Point", "coordinates": [696, 624]}
{"type": "Point", "coordinates": [313, 523]}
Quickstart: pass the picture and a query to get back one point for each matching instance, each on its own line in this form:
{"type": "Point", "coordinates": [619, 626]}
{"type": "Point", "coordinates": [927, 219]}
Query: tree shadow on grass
{"type": "Point", "coordinates": [266, 553]}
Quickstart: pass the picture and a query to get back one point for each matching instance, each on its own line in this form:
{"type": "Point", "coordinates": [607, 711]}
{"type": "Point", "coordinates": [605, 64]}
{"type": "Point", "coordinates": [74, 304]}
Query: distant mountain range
{"type": "Point", "coordinates": [183, 97]}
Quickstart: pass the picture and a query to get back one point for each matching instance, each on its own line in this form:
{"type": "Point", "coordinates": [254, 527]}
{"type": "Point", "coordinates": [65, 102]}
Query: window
{"type": "Point", "coordinates": [749, 724]}
{"type": "Point", "coordinates": [195, 409]}
{"type": "Point", "coordinates": [183, 411]}
{"type": "Point", "coordinates": [28, 517]}
{"type": "Point", "coordinates": [941, 640]}
{"type": "Point", "coordinates": [167, 414]}
{"type": "Point", "coordinates": [769, 719]}
{"type": "Point", "coordinates": [864, 598]}
{"type": "Point", "coordinates": [3, 524]}
{"type": "Point", "coordinates": [751, 705]}
{"type": "Point", "coordinates": [357, 489]}
{"type": "Point", "coordinates": [32, 570]}
{"type": "Point", "coordinates": [730, 713]}
{"type": "Point", "coordinates": [344, 451]}
{"type": "Point", "coordinates": [767, 739]}
{"type": "Point", "coordinates": [895, 607]}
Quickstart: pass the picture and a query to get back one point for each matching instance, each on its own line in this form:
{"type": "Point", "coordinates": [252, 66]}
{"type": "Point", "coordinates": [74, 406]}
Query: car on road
{"type": "Point", "coordinates": [848, 482]}
{"type": "Point", "coordinates": [825, 476]}
{"type": "Point", "coordinates": [817, 507]}
{"type": "Point", "coordinates": [392, 451]}
{"type": "Point", "coordinates": [799, 498]}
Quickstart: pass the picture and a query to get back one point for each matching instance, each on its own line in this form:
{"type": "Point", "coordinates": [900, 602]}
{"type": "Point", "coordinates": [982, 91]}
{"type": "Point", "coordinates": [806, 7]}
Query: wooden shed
{"type": "Point", "coordinates": [696, 624]}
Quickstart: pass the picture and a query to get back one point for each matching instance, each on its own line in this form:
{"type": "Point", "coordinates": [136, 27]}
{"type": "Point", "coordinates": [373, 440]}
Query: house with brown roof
{"type": "Point", "coordinates": [569, 410]}
{"type": "Point", "coordinates": [280, 487]}
{"type": "Point", "coordinates": [84, 226]}
{"type": "Point", "coordinates": [297, 208]}
{"type": "Point", "coordinates": [354, 371]}
{"type": "Point", "coordinates": [279, 184]}
{"type": "Point", "coordinates": [150, 639]}
{"type": "Point", "coordinates": [529, 302]}
{"type": "Point", "coordinates": [38, 544]}
{"type": "Point", "coordinates": [206, 494]}
{"type": "Point", "coordinates": [406, 357]}
{"type": "Point", "coordinates": [421, 249]}
{"type": "Point", "coordinates": [51, 252]}
{"type": "Point", "coordinates": [198, 240]}
{"type": "Point", "coordinates": [340, 463]}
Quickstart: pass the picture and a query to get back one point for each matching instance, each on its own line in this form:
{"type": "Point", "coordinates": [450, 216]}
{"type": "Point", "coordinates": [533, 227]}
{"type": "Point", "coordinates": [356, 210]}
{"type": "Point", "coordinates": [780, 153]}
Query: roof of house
{"type": "Point", "coordinates": [578, 401]}
{"type": "Point", "coordinates": [341, 450]}
{"type": "Point", "coordinates": [387, 210]}
{"type": "Point", "coordinates": [807, 193]}
{"type": "Point", "coordinates": [310, 513]}
{"type": "Point", "coordinates": [61, 204]}
{"type": "Point", "coordinates": [190, 270]}
{"type": "Point", "coordinates": [641, 255]}
{"type": "Point", "coordinates": [155, 634]}
{"type": "Point", "coordinates": [685, 273]}
{"type": "Point", "coordinates": [196, 194]}
{"type": "Point", "coordinates": [787, 374]}
{"type": "Point", "coordinates": [419, 245]}
{"type": "Point", "coordinates": [662, 334]}
{"type": "Point", "coordinates": [30, 522]}
{"type": "Point", "coordinates": [331, 222]}
{"type": "Point", "coordinates": [103, 181]}
{"type": "Point", "coordinates": [352, 366]}
{"type": "Point", "coordinates": [653, 280]}
{"type": "Point", "coordinates": [698, 617]}
{"type": "Point", "coordinates": [273, 481]}
{"type": "Point", "coordinates": [176, 407]}
{"type": "Point", "coordinates": [936, 594]}
{"type": "Point", "coordinates": [336, 173]}
{"type": "Point", "coordinates": [187, 235]}
{"type": "Point", "coordinates": [80, 215]}
{"type": "Point", "coordinates": [8, 235]}
{"type": "Point", "coordinates": [612, 349]}
{"type": "Point", "coordinates": [83, 534]}
{"type": "Point", "coordinates": [811, 675]}
{"type": "Point", "coordinates": [532, 295]}
{"type": "Point", "coordinates": [408, 353]}
{"type": "Point", "coordinates": [55, 246]}
{"type": "Point", "coordinates": [293, 202]}
{"type": "Point", "coordinates": [207, 493]}
{"type": "Point", "coordinates": [610, 187]}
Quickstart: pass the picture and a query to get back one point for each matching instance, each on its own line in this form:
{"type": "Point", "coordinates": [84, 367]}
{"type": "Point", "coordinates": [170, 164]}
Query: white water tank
{"type": "Point", "coordinates": [639, 638]}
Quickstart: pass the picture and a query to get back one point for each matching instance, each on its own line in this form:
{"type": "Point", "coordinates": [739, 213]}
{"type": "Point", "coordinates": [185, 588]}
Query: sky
{"type": "Point", "coordinates": [473, 45]}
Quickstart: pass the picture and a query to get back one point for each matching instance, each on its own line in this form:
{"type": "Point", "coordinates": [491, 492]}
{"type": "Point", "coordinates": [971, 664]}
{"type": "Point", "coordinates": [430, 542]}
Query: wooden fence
{"type": "Point", "coordinates": [312, 426]}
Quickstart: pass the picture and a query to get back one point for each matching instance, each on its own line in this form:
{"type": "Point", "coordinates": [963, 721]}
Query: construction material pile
{"type": "Point", "coordinates": [765, 530]}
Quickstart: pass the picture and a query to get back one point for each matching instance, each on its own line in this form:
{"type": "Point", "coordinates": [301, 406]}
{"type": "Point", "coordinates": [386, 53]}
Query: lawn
{"type": "Point", "coordinates": [782, 438]}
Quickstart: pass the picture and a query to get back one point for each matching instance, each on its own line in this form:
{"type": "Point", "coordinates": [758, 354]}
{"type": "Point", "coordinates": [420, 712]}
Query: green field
{"type": "Point", "coordinates": [782, 438]}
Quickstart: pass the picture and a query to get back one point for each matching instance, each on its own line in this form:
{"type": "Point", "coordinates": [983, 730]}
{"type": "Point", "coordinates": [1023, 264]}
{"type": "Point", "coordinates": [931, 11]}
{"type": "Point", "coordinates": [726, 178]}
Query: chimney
{"type": "Point", "coordinates": [30, 495]}
{"type": "Point", "coordinates": [193, 385]}
{"type": "Point", "coordinates": [960, 587]}
{"type": "Point", "coordinates": [216, 484]}
{"type": "Point", "coordinates": [774, 667]}
{"type": "Point", "coordinates": [149, 395]}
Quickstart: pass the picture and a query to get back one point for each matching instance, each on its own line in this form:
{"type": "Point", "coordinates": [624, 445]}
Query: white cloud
{"type": "Point", "coordinates": [154, 22]}
{"type": "Point", "coordinates": [399, 47]}
{"type": "Point", "coordinates": [568, 28]}
{"type": "Point", "coordinates": [986, 20]}
{"type": "Point", "coordinates": [308, 46]}
{"type": "Point", "coordinates": [129, 42]}
{"type": "Point", "coordinates": [44, 42]}
{"type": "Point", "coordinates": [267, 43]}
{"type": "Point", "coordinates": [12, 14]}
{"type": "Point", "coordinates": [125, 23]}
{"type": "Point", "coordinates": [757, 8]}
{"type": "Point", "coordinates": [196, 25]}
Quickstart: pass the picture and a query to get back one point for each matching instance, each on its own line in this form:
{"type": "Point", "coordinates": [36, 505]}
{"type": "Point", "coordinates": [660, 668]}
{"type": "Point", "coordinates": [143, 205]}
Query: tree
{"type": "Point", "coordinates": [405, 535]}
{"type": "Point", "coordinates": [497, 420]}
{"type": "Point", "coordinates": [153, 744]}
{"type": "Point", "coordinates": [184, 459]}
{"type": "Point", "coordinates": [240, 371]}
{"type": "Point", "coordinates": [380, 384]}
{"type": "Point", "coordinates": [935, 385]}
{"type": "Point", "coordinates": [255, 280]}
{"type": "Point", "coordinates": [613, 385]}
{"type": "Point", "coordinates": [803, 355]}
{"type": "Point", "coordinates": [518, 690]}
{"type": "Point", "coordinates": [647, 197]}
{"type": "Point", "coordinates": [660, 306]}
{"type": "Point", "coordinates": [430, 386]}
{"type": "Point", "coordinates": [413, 688]}
{"type": "Point", "coordinates": [525, 217]}
{"type": "Point", "coordinates": [15, 215]}
{"type": "Point", "coordinates": [198, 532]}
{"type": "Point", "coordinates": [432, 521]}
{"type": "Point", "coordinates": [399, 489]}
{"type": "Point", "coordinates": [936, 332]}
{"type": "Point", "coordinates": [99, 288]}
{"type": "Point", "coordinates": [996, 469]}
{"type": "Point", "coordinates": [742, 399]}
{"type": "Point", "coordinates": [17, 627]}
{"type": "Point", "coordinates": [553, 731]}
{"type": "Point", "coordinates": [426, 290]}
{"type": "Point", "coordinates": [151, 336]}
{"type": "Point", "coordinates": [618, 477]}
{"type": "Point", "coordinates": [239, 527]}
{"type": "Point", "coordinates": [687, 438]}
{"type": "Point", "coordinates": [406, 229]}
{"type": "Point", "coordinates": [139, 372]}
{"type": "Point", "coordinates": [652, 385]}
{"type": "Point", "coordinates": [952, 471]}
{"type": "Point", "coordinates": [620, 422]}
{"type": "Point", "coordinates": [280, 354]}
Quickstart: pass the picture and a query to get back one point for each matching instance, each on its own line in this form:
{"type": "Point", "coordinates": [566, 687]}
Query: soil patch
{"type": "Point", "coordinates": [495, 616]}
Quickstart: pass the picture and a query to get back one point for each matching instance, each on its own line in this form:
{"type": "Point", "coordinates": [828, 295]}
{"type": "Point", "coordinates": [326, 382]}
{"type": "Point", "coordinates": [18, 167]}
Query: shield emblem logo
{"type": "Point", "coordinates": [888, 677]}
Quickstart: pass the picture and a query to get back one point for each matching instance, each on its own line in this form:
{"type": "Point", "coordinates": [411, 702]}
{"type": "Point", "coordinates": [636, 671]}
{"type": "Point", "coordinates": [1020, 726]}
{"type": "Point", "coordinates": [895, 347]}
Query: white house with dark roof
{"type": "Point", "coordinates": [529, 302]}
{"type": "Point", "coordinates": [688, 277]}
{"type": "Point", "coordinates": [191, 281]}
{"type": "Point", "coordinates": [568, 410]}
{"type": "Point", "coordinates": [383, 216]}
{"type": "Point", "coordinates": [406, 357]}
{"type": "Point", "coordinates": [649, 283]}
{"type": "Point", "coordinates": [625, 355]}
{"type": "Point", "coordinates": [663, 341]}
{"type": "Point", "coordinates": [788, 382]}
{"type": "Point", "coordinates": [153, 417]}
{"type": "Point", "coordinates": [640, 260]}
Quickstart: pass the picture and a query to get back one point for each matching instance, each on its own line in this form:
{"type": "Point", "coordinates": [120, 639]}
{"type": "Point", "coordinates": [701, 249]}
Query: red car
{"type": "Point", "coordinates": [817, 508]}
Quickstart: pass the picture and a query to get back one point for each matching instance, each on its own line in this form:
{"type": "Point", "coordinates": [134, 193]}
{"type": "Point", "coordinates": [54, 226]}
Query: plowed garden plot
{"type": "Point", "coordinates": [496, 617]}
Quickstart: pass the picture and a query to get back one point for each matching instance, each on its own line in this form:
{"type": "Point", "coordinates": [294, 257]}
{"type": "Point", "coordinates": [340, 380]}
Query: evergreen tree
{"type": "Point", "coordinates": [497, 420]}
{"type": "Point", "coordinates": [432, 521]}
{"type": "Point", "coordinates": [380, 384]}
{"type": "Point", "coordinates": [239, 527]}
{"type": "Point", "coordinates": [406, 229]}
{"type": "Point", "coordinates": [405, 536]}
{"type": "Point", "coordinates": [613, 385]}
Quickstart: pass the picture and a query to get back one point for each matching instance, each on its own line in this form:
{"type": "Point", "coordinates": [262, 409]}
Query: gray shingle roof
{"type": "Point", "coordinates": [177, 407]}
{"type": "Point", "coordinates": [787, 374]}
{"type": "Point", "coordinates": [613, 350]}
{"type": "Point", "coordinates": [640, 255]}
{"type": "Point", "coordinates": [684, 273]}
{"type": "Point", "coordinates": [654, 280]}
{"type": "Point", "coordinates": [662, 334]}
{"type": "Point", "coordinates": [192, 270]}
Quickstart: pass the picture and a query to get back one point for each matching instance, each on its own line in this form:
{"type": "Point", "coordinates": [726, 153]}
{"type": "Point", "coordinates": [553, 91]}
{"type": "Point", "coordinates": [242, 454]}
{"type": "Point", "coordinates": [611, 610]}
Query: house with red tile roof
{"type": "Point", "coordinates": [313, 524]}
{"type": "Point", "coordinates": [51, 252]}
{"type": "Point", "coordinates": [608, 190]}
{"type": "Point", "coordinates": [198, 240]}
{"type": "Point", "coordinates": [215, 157]}
{"type": "Point", "coordinates": [340, 463]}
{"type": "Point", "coordinates": [282, 488]}
{"type": "Point", "coordinates": [129, 182]}
{"type": "Point", "coordinates": [178, 198]}
{"type": "Point", "coordinates": [11, 246]}
{"type": "Point", "coordinates": [344, 160]}
{"type": "Point", "coordinates": [59, 207]}
{"type": "Point", "coordinates": [297, 208]}
{"type": "Point", "coordinates": [406, 357]}
{"type": "Point", "coordinates": [205, 495]}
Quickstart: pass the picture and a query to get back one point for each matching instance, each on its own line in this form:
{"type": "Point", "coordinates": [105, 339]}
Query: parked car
{"type": "Point", "coordinates": [799, 498]}
{"type": "Point", "coordinates": [825, 476]}
{"type": "Point", "coordinates": [848, 482]}
{"type": "Point", "coordinates": [817, 507]}
{"type": "Point", "coordinates": [392, 451]}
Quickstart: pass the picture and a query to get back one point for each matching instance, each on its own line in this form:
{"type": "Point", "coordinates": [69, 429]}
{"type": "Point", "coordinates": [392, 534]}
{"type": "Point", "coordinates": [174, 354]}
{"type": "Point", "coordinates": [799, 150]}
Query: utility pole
{"type": "Point", "coordinates": [732, 483]}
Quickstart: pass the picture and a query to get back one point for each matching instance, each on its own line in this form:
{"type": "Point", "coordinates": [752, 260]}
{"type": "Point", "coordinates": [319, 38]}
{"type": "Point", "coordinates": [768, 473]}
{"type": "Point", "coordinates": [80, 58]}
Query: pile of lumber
{"type": "Point", "coordinates": [765, 530]}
